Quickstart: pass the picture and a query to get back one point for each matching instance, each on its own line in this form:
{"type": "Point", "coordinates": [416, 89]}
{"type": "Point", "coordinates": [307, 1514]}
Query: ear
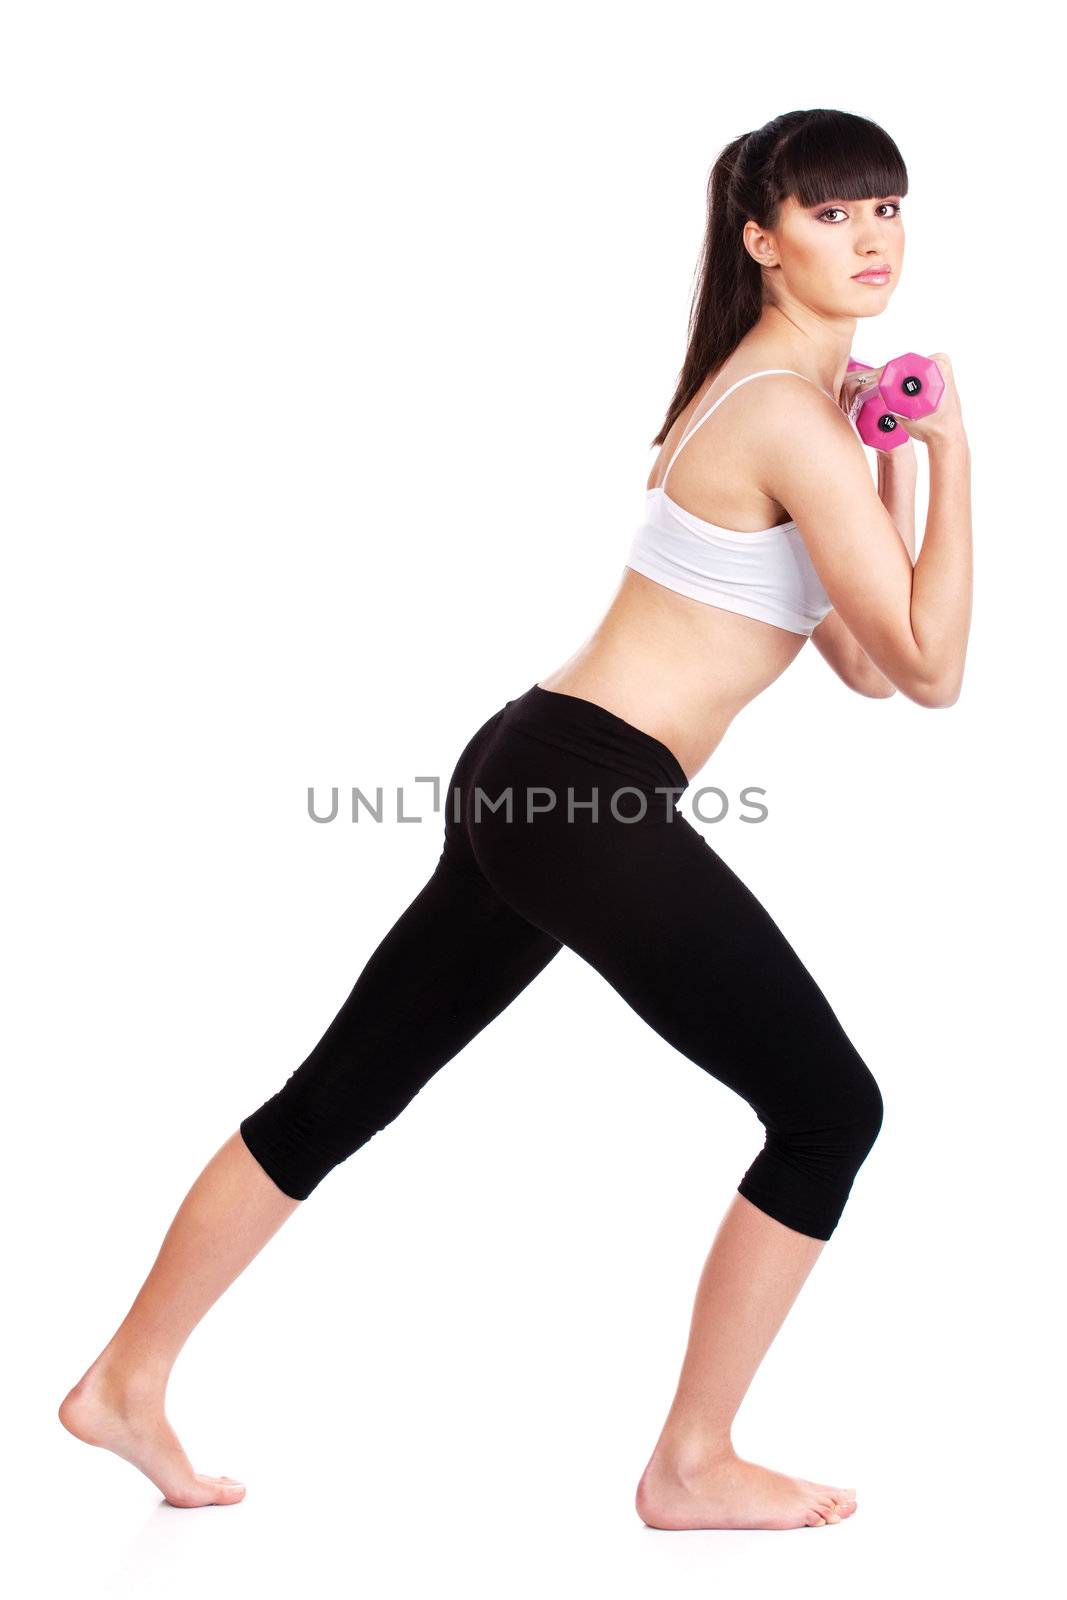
{"type": "Point", "coordinates": [759, 244]}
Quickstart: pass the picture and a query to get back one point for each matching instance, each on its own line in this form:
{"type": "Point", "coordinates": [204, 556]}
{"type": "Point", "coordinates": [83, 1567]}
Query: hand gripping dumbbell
{"type": "Point", "coordinates": [910, 385]}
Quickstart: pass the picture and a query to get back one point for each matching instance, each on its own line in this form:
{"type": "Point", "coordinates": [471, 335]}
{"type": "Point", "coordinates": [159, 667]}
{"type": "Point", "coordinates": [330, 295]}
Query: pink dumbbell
{"type": "Point", "coordinates": [910, 385]}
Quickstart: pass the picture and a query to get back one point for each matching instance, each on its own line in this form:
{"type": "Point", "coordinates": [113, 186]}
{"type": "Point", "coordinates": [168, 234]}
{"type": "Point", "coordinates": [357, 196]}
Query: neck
{"type": "Point", "coordinates": [819, 347]}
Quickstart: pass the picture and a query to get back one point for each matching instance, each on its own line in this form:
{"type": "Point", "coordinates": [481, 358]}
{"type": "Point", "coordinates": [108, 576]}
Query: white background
{"type": "Point", "coordinates": [334, 342]}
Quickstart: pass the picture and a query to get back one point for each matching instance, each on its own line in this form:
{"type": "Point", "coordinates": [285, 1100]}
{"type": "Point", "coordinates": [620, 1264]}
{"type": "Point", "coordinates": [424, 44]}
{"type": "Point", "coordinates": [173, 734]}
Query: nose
{"type": "Point", "coordinates": [874, 244]}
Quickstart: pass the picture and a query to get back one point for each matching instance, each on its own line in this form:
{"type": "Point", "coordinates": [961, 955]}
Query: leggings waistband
{"type": "Point", "coordinates": [595, 733]}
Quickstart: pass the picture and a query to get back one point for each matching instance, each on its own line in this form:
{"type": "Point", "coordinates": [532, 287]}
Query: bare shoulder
{"type": "Point", "coordinates": [785, 395]}
{"type": "Point", "coordinates": [805, 443]}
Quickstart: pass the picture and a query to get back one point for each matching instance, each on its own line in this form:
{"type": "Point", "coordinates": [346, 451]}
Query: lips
{"type": "Point", "coordinates": [872, 272]}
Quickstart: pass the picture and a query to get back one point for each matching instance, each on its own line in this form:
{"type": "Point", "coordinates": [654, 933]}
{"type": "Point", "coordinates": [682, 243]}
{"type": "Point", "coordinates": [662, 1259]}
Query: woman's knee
{"type": "Point", "coordinates": [832, 1122]}
{"type": "Point", "coordinates": [845, 1116]}
{"type": "Point", "coordinates": [804, 1174]}
{"type": "Point", "coordinates": [863, 1112]}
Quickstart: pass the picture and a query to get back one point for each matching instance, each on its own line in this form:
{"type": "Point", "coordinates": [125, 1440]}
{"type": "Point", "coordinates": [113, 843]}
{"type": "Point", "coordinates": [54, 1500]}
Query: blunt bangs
{"type": "Point", "coordinates": [837, 156]}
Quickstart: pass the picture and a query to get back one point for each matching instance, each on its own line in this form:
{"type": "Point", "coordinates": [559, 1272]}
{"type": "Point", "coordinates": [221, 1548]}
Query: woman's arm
{"type": "Point", "coordinates": [944, 569]}
{"type": "Point", "coordinates": [897, 474]}
{"type": "Point", "coordinates": [912, 619]}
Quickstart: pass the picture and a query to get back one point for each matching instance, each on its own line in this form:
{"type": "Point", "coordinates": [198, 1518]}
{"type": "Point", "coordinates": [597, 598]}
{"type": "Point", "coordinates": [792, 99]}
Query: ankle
{"type": "Point", "coordinates": [127, 1380]}
{"type": "Point", "coordinates": [685, 1453]}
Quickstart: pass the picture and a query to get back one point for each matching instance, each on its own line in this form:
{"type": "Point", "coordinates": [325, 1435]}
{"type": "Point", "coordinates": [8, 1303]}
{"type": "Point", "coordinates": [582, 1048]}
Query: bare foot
{"type": "Point", "coordinates": [726, 1491]}
{"type": "Point", "coordinates": [101, 1409]}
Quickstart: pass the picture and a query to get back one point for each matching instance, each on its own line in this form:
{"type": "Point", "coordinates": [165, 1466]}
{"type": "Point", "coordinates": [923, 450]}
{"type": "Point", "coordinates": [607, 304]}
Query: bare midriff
{"type": "Point", "coordinates": [676, 668]}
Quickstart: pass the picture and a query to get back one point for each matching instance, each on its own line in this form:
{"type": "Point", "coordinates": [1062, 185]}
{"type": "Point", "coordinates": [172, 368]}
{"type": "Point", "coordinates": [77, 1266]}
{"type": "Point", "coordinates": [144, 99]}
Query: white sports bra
{"type": "Point", "coordinates": [767, 574]}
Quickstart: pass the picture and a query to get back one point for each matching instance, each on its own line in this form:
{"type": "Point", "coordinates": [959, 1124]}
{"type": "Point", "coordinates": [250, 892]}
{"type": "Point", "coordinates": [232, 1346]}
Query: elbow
{"type": "Point", "coordinates": [936, 694]}
{"type": "Point", "coordinates": [866, 679]}
{"type": "Point", "coordinates": [876, 688]}
{"type": "Point", "coordinates": [934, 685]}
{"type": "Point", "coordinates": [947, 698]}
{"type": "Point", "coordinates": [863, 677]}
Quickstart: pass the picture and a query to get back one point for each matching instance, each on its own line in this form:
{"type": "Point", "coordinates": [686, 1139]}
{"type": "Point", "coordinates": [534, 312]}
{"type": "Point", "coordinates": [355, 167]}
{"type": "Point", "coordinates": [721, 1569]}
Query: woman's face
{"type": "Point", "coordinates": [814, 253]}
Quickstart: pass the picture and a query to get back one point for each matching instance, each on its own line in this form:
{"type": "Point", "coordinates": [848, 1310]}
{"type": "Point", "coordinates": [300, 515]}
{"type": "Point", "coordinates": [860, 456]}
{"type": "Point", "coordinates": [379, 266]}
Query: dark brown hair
{"type": "Point", "coordinates": [809, 155]}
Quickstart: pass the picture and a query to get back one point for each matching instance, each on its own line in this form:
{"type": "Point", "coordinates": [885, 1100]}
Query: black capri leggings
{"type": "Point", "coordinates": [561, 828]}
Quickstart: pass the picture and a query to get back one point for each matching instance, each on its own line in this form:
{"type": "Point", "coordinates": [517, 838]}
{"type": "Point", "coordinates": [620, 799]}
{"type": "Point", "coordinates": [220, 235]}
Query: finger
{"type": "Point", "coordinates": [902, 422]}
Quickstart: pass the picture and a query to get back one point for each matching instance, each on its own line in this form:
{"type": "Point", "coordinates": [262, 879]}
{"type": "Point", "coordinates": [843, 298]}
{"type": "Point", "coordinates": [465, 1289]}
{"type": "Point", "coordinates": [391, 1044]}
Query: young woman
{"type": "Point", "coordinates": [561, 825]}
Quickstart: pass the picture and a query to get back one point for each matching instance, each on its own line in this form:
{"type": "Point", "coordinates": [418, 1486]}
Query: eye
{"type": "Point", "coordinates": [823, 215]}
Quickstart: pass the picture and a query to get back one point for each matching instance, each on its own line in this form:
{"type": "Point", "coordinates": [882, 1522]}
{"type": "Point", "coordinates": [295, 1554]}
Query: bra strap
{"type": "Point", "coordinates": [693, 426]}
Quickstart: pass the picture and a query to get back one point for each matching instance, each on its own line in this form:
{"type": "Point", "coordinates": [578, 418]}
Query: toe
{"type": "Point", "coordinates": [223, 1490]}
